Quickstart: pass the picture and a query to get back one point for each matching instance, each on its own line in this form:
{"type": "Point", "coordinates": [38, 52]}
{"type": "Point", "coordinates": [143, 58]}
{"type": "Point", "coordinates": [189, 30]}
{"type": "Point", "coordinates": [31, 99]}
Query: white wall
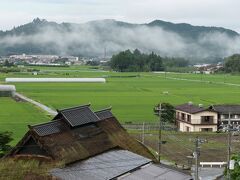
{"type": "Point", "coordinates": [195, 128]}
{"type": "Point", "coordinates": [196, 118]}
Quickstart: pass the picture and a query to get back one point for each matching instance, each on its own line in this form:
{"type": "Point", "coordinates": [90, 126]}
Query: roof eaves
{"type": "Point", "coordinates": [200, 111]}
{"type": "Point", "coordinates": [74, 108]}
{"type": "Point", "coordinates": [42, 124]}
{"type": "Point", "coordinates": [106, 109]}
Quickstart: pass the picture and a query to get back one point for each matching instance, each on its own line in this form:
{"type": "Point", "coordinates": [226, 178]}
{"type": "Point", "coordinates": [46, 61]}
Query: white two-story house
{"type": "Point", "coordinates": [192, 118]}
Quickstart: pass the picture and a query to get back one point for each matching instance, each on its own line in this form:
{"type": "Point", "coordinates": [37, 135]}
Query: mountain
{"type": "Point", "coordinates": [91, 38]}
{"type": "Point", "coordinates": [187, 30]}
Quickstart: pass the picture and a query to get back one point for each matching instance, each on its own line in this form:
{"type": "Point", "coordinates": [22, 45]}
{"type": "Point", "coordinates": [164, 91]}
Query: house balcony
{"type": "Point", "coordinates": [184, 120]}
{"type": "Point", "coordinates": [210, 121]}
{"type": "Point", "coordinates": [194, 122]}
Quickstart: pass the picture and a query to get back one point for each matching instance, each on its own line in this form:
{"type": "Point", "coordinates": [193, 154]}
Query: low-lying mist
{"type": "Point", "coordinates": [90, 39]}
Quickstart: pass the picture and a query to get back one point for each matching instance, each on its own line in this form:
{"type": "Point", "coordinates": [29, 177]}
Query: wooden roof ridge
{"type": "Point", "coordinates": [104, 113]}
{"type": "Point", "coordinates": [105, 109]}
{"type": "Point", "coordinates": [78, 115]}
{"type": "Point", "coordinates": [74, 108]}
{"type": "Point", "coordinates": [44, 124]}
{"type": "Point", "coordinates": [48, 128]}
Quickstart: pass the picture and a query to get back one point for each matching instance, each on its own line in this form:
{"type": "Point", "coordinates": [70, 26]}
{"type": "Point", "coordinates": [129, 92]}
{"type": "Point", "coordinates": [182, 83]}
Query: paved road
{"type": "Point", "coordinates": [42, 106]}
{"type": "Point", "coordinates": [209, 173]}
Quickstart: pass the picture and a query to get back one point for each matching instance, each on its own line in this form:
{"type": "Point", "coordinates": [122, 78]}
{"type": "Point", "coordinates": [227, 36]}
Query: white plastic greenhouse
{"type": "Point", "coordinates": [77, 80]}
{"type": "Point", "coordinates": [7, 90]}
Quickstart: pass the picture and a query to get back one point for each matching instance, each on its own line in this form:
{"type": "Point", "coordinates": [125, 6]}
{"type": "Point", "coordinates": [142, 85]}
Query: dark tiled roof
{"type": "Point", "coordinates": [190, 108]}
{"type": "Point", "coordinates": [104, 114]}
{"type": "Point", "coordinates": [52, 127]}
{"type": "Point", "coordinates": [227, 108]}
{"type": "Point", "coordinates": [107, 165]}
{"type": "Point", "coordinates": [79, 115]}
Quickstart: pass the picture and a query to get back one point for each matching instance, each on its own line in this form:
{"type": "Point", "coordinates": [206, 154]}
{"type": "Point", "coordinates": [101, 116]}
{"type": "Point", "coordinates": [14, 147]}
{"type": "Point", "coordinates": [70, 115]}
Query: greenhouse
{"type": "Point", "coordinates": [7, 90]}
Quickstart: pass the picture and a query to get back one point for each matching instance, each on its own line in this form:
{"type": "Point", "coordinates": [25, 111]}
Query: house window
{"type": "Point", "coordinates": [187, 129]}
{"type": "Point", "coordinates": [207, 119]}
{"type": "Point", "coordinates": [183, 116]}
{"type": "Point", "coordinates": [188, 118]}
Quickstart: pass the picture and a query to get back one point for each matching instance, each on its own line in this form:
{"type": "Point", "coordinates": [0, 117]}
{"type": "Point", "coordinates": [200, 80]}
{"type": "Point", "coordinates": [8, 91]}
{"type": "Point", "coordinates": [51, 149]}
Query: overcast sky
{"type": "Point", "coordinates": [224, 13]}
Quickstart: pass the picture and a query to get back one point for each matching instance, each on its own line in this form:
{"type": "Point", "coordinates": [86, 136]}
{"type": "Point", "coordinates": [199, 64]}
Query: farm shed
{"type": "Point", "coordinates": [78, 133]}
{"type": "Point", "coordinates": [93, 145]}
{"type": "Point", "coordinates": [76, 80]}
{"type": "Point", "coordinates": [7, 90]}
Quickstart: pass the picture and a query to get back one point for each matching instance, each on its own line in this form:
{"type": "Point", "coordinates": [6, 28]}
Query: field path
{"type": "Point", "coordinates": [192, 80]}
{"type": "Point", "coordinates": [41, 106]}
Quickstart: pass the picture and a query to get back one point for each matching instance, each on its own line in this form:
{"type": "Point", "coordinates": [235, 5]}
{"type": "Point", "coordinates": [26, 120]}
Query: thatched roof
{"type": "Point", "coordinates": [76, 134]}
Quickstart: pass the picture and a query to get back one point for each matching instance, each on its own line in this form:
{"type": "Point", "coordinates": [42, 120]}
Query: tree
{"type": "Point", "coordinates": [168, 112]}
{"type": "Point", "coordinates": [232, 63]}
{"type": "Point", "coordinates": [235, 174]}
{"type": "Point", "coordinates": [5, 139]}
{"type": "Point", "coordinates": [7, 63]}
{"type": "Point", "coordinates": [136, 61]}
{"type": "Point", "coordinates": [155, 62]}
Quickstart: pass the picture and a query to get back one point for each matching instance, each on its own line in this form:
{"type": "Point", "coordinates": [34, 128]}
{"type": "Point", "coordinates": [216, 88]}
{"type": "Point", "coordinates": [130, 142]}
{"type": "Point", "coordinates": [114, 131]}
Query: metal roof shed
{"type": "Point", "coordinates": [7, 90]}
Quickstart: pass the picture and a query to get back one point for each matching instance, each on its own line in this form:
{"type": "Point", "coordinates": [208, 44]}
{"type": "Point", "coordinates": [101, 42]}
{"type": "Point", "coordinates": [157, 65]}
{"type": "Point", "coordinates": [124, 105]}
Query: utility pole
{"type": "Point", "coordinates": [159, 110]}
{"type": "Point", "coordinates": [196, 156]}
{"type": "Point", "coordinates": [143, 132]}
{"type": "Point", "coordinates": [159, 133]}
{"type": "Point", "coordinates": [229, 128]}
{"type": "Point", "coordinates": [229, 146]}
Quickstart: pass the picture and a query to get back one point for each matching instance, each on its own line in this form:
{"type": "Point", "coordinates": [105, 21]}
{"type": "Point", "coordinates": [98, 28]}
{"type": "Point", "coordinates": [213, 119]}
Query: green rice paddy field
{"type": "Point", "coordinates": [131, 95]}
{"type": "Point", "coordinates": [15, 117]}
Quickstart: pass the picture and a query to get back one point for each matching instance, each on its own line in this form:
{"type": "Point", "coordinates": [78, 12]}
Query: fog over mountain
{"type": "Point", "coordinates": [90, 39]}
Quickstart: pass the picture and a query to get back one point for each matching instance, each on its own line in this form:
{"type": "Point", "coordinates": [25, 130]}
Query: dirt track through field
{"type": "Point", "coordinates": [41, 106]}
{"type": "Point", "coordinates": [192, 80]}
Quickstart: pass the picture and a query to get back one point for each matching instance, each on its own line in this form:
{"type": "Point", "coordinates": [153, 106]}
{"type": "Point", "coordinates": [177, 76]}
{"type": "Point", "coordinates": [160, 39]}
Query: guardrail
{"type": "Point", "coordinates": [149, 126]}
{"type": "Point", "coordinates": [211, 164]}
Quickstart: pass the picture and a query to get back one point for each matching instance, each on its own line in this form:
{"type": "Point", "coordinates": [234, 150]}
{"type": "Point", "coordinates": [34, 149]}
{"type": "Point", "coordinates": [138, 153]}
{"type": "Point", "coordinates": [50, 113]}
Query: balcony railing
{"type": "Point", "coordinates": [193, 121]}
{"type": "Point", "coordinates": [211, 121]}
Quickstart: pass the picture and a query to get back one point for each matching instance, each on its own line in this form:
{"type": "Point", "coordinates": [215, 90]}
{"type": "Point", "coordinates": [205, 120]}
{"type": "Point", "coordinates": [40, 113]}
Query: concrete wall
{"type": "Point", "coordinates": [195, 128]}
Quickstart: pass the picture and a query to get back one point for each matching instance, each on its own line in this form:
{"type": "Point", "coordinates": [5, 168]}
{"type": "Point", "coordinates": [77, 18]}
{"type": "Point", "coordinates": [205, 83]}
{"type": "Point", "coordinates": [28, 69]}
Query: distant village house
{"type": "Point", "coordinates": [193, 118]}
